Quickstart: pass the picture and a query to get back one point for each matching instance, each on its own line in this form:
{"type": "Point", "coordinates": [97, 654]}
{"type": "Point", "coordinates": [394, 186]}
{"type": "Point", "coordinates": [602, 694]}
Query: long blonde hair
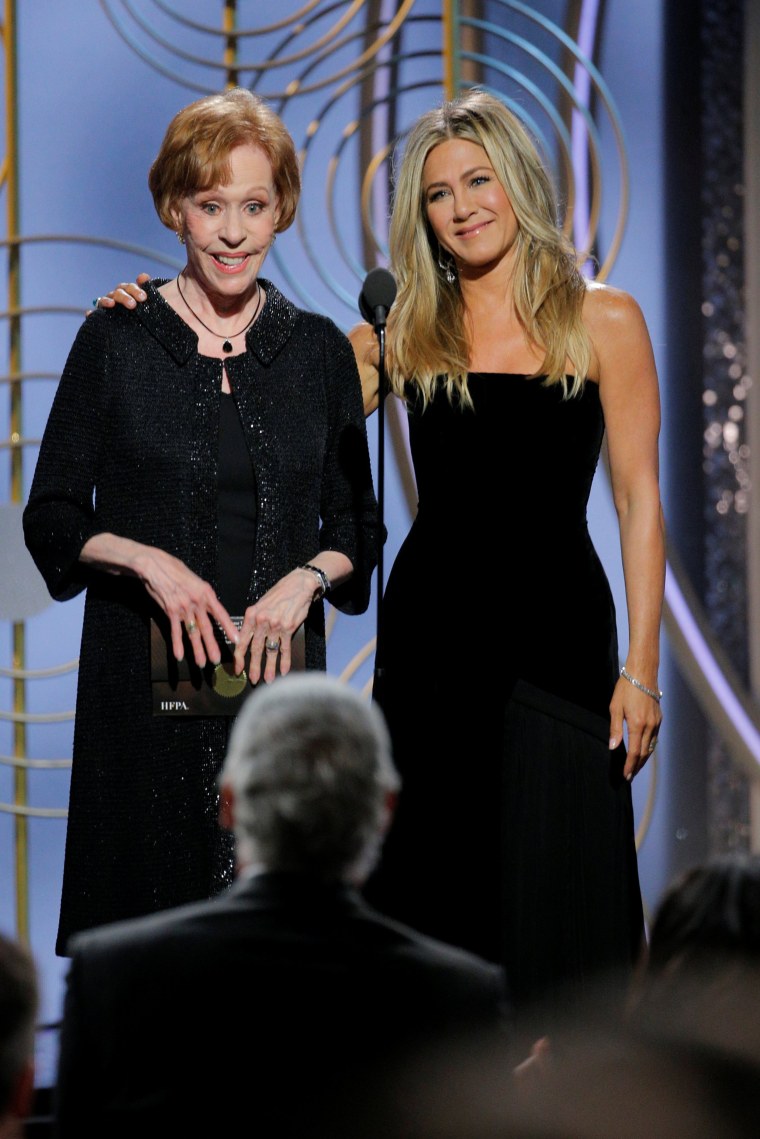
{"type": "Point", "coordinates": [426, 331]}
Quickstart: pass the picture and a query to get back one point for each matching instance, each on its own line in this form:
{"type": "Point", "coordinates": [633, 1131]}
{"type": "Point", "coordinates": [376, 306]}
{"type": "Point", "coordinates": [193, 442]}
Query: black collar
{"type": "Point", "coordinates": [266, 337]}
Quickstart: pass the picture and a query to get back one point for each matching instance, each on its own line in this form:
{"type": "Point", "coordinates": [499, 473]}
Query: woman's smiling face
{"type": "Point", "coordinates": [228, 230]}
{"type": "Point", "coordinates": [467, 207]}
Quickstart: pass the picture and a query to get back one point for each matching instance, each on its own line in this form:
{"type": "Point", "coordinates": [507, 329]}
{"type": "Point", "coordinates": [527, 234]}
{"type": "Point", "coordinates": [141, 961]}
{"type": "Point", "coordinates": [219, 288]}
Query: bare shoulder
{"type": "Point", "coordinates": [606, 308]}
{"type": "Point", "coordinates": [605, 305]}
{"type": "Point", "coordinates": [614, 320]}
{"type": "Point", "coordinates": [622, 347]}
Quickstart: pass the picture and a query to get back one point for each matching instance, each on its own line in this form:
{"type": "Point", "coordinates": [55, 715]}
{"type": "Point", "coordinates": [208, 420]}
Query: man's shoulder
{"type": "Point", "coordinates": [157, 929]}
{"type": "Point", "coordinates": [423, 954]}
{"type": "Point", "coordinates": [256, 915]}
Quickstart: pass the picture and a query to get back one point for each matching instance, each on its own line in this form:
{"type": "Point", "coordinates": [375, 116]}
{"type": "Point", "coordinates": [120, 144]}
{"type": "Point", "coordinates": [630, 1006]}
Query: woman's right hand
{"type": "Point", "coordinates": [128, 293]}
{"type": "Point", "coordinates": [186, 599]}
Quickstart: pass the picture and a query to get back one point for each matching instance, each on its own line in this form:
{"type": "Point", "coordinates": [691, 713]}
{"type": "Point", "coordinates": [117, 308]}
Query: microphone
{"type": "Point", "coordinates": [377, 295]}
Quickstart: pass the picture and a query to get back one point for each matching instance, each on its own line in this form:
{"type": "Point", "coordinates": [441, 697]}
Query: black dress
{"type": "Point", "coordinates": [131, 447]}
{"type": "Point", "coordinates": [496, 662]}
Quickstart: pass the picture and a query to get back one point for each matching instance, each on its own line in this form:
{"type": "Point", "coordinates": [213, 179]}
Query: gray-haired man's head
{"type": "Point", "coordinates": [310, 778]}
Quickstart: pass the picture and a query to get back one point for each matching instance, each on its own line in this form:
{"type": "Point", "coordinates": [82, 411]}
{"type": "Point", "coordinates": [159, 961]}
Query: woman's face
{"type": "Point", "coordinates": [467, 207]}
{"type": "Point", "coordinates": [228, 229]}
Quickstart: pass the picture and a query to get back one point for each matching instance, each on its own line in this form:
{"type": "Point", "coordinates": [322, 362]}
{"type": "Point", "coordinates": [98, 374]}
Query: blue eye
{"type": "Point", "coordinates": [210, 207]}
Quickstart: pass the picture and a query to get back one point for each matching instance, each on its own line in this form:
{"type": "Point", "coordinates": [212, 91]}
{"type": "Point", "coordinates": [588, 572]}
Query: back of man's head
{"type": "Point", "coordinates": [18, 1013]}
{"type": "Point", "coordinates": [310, 778]}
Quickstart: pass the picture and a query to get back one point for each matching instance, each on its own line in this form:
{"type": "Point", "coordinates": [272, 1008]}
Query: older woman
{"type": "Point", "coordinates": [205, 457]}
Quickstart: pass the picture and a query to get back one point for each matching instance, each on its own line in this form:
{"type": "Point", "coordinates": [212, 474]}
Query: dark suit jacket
{"type": "Point", "coordinates": [265, 1009]}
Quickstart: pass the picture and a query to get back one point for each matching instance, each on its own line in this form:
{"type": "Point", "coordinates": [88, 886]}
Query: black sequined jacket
{"type": "Point", "coordinates": [131, 448]}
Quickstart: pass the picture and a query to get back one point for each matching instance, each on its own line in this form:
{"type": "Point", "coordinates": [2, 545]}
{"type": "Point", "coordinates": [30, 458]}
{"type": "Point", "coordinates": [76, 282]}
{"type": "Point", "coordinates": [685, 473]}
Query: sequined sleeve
{"type": "Point", "coordinates": [59, 516]}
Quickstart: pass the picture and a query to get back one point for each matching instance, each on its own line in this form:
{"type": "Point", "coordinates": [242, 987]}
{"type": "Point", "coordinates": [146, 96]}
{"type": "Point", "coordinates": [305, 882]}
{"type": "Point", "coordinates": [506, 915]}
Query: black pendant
{"type": "Point", "coordinates": [226, 347]}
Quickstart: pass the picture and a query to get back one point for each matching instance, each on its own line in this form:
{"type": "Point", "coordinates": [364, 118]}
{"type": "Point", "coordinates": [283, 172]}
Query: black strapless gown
{"type": "Point", "coordinates": [497, 657]}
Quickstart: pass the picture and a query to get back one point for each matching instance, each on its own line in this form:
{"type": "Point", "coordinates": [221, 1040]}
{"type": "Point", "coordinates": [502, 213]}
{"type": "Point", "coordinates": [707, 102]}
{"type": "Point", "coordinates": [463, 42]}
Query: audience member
{"type": "Point", "coordinates": [18, 1014]}
{"type": "Point", "coordinates": [272, 1006]}
{"type": "Point", "coordinates": [593, 1079]}
{"type": "Point", "coordinates": [699, 977]}
{"type": "Point", "coordinates": [682, 1060]}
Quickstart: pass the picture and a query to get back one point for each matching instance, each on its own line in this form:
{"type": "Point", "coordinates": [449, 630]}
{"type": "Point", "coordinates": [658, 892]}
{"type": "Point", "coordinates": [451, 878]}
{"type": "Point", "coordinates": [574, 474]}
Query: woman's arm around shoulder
{"type": "Point", "coordinates": [625, 369]}
{"type": "Point", "coordinates": [366, 349]}
{"type": "Point", "coordinates": [128, 294]}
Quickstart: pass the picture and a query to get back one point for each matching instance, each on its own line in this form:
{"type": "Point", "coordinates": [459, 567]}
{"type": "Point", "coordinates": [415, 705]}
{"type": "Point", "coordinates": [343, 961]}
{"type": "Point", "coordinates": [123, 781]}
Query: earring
{"type": "Point", "coordinates": [274, 238]}
{"type": "Point", "coordinates": [446, 267]}
{"type": "Point", "coordinates": [180, 238]}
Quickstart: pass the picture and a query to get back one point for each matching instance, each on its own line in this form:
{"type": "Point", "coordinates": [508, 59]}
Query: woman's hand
{"type": "Point", "coordinates": [530, 1071]}
{"type": "Point", "coordinates": [185, 598]}
{"type": "Point", "coordinates": [642, 717]}
{"type": "Point", "coordinates": [273, 620]}
{"type": "Point", "coordinates": [128, 293]}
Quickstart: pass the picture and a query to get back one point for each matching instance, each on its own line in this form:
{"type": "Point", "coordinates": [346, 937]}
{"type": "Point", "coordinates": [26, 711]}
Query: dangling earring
{"type": "Point", "coordinates": [446, 267]}
{"type": "Point", "coordinates": [180, 238]}
{"type": "Point", "coordinates": [274, 238]}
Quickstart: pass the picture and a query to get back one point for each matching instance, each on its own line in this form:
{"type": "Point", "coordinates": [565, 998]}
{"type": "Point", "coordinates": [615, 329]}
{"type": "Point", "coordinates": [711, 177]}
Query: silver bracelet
{"type": "Point", "coordinates": [656, 695]}
{"type": "Point", "coordinates": [324, 581]}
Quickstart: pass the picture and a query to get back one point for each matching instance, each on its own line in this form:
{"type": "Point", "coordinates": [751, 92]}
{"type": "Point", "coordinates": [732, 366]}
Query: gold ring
{"type": "Point", "coordinates": [191, 626]}
{"type": "Point", "coordinates": [272, 646]}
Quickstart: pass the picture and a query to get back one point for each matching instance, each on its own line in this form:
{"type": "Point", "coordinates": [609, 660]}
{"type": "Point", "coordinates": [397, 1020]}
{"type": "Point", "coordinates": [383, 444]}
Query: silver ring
{"type": "Point", "coordinates": [652, 745]}
{"type": "Point", "coordinates": [273, 646]}
{"type": "Point", "coordinates": [95, 302]}
{"type": "Point", "coordinates": [191, 626]}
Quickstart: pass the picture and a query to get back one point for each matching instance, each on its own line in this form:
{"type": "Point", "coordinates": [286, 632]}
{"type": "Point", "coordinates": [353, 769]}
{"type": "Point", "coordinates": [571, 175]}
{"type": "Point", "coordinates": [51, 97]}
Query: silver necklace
{"type": "Point", "coordinates": [227, 345]}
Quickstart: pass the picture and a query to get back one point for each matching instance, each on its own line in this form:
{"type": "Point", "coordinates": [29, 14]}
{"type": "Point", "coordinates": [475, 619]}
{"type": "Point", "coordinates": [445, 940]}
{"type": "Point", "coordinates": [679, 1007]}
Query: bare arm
{"type": "Point", "coordinates": [367, 352]}
{"type": "Point", "coordinates": [629, 392]}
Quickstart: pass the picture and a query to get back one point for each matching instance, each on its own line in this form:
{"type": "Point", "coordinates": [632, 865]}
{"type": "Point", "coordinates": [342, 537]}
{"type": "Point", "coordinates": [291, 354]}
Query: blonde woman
{"type": "Point", "coordinates": [516, 733]}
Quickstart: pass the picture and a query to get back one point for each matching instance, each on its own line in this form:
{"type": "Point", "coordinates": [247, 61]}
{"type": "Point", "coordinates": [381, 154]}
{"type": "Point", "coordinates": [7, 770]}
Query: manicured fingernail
{"type": "Point", "coordinates": [613, 743]}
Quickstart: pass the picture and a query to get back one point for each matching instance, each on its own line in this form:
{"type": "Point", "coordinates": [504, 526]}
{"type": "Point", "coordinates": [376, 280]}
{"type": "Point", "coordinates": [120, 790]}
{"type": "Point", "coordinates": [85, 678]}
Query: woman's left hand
{"type": "Point", "coordinates": [642, 717]}
{"type": "Point", "coordinates": [128, 294]}
{"type": "Point", "coordinates": [273, 621]}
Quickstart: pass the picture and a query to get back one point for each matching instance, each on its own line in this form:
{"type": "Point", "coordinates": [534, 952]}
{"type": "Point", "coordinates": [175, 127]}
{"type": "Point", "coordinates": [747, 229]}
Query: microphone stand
{"type": "Point", "coordinates": [381, 392]}
{"type": "Point", "coordinates": [375, 299]}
